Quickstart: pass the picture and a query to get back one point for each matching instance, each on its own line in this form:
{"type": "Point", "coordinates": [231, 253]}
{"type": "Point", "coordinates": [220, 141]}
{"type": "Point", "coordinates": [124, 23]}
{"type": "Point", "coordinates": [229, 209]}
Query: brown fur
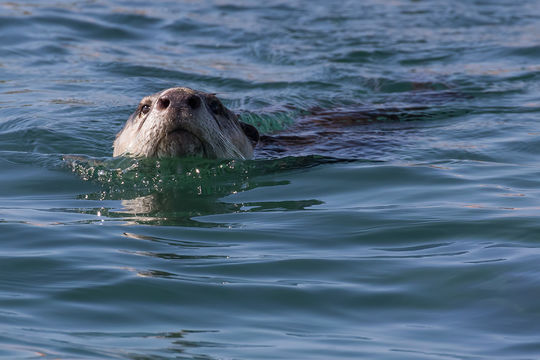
{"type": "Point", "coordinates": [185, 122]}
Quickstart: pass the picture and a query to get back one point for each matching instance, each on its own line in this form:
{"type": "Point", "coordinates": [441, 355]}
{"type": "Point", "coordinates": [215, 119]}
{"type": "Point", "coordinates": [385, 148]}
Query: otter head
{"type": "Point", "coordinates": [185, 122]}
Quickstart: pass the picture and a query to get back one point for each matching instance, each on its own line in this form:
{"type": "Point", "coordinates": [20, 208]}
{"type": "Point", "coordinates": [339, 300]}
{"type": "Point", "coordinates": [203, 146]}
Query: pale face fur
{"type": "Point", "coordinates": [185, 122]}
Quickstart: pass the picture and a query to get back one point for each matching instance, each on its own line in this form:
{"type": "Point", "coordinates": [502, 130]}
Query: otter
{"type": "Point", "coordinates": [184, 122]}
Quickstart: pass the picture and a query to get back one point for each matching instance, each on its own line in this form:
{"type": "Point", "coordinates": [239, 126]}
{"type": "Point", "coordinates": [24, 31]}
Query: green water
{"type": "Point", "coordinates": [407, 229]}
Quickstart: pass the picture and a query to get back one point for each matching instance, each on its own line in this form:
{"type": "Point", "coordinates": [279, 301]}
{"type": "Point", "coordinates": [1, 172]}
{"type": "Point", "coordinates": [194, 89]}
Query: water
{"type": "Point", "coordinates": [407, 228]}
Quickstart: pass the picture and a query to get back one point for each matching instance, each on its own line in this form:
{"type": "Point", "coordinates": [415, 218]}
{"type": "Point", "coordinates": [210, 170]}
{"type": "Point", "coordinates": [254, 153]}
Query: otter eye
{"type": "Point", "coordinates": [216, 107]}
{"type": "Point", "coordinates": [145, 109]}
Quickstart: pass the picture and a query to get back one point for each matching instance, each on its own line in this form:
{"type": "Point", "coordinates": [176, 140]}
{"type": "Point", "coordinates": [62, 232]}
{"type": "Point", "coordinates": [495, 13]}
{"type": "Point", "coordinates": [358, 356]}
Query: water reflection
{"type": "Point", "coordinates": [180, 192]}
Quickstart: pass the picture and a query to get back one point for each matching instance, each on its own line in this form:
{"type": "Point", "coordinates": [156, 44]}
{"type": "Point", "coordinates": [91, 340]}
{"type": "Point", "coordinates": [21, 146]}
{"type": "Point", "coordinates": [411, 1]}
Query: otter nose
{"type": "Point", "coordinates": [163, 103]}
{"type": "Point", "coordinates": [192, 101]}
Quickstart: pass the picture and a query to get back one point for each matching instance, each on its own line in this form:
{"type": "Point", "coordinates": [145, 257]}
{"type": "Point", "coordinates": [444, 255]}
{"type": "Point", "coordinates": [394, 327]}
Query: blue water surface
{"type": "Point", "coordinates": [399, 221]}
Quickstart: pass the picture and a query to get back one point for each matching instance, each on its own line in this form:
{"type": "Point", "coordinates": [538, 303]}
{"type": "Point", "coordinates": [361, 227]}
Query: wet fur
{"type": "Point", "coordinates": [194, 123]}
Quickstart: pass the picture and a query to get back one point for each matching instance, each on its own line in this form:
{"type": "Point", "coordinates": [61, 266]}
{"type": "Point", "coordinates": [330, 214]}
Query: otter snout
{"type": "Point", "coordinates": [176, 98]}
{"type": "Point", "coordinates": [163, 103]}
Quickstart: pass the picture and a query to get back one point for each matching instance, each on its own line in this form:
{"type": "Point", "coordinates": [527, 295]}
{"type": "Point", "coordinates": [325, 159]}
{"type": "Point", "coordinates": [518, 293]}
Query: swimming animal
{"type": "Point", "coordinates": [184, 122]}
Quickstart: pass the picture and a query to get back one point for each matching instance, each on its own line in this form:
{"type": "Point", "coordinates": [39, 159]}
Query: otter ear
{"type": "Point", "coordinates": [251, 132]}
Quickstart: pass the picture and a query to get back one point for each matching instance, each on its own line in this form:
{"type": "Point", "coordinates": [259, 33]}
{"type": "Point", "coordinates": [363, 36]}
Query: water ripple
{"type": "Point", "coordinates": [390, 212]}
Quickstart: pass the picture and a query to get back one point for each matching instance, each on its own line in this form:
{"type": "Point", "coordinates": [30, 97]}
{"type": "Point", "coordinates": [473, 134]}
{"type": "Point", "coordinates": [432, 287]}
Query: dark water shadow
{"type": "Point", "coordinates": [356, 131]}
